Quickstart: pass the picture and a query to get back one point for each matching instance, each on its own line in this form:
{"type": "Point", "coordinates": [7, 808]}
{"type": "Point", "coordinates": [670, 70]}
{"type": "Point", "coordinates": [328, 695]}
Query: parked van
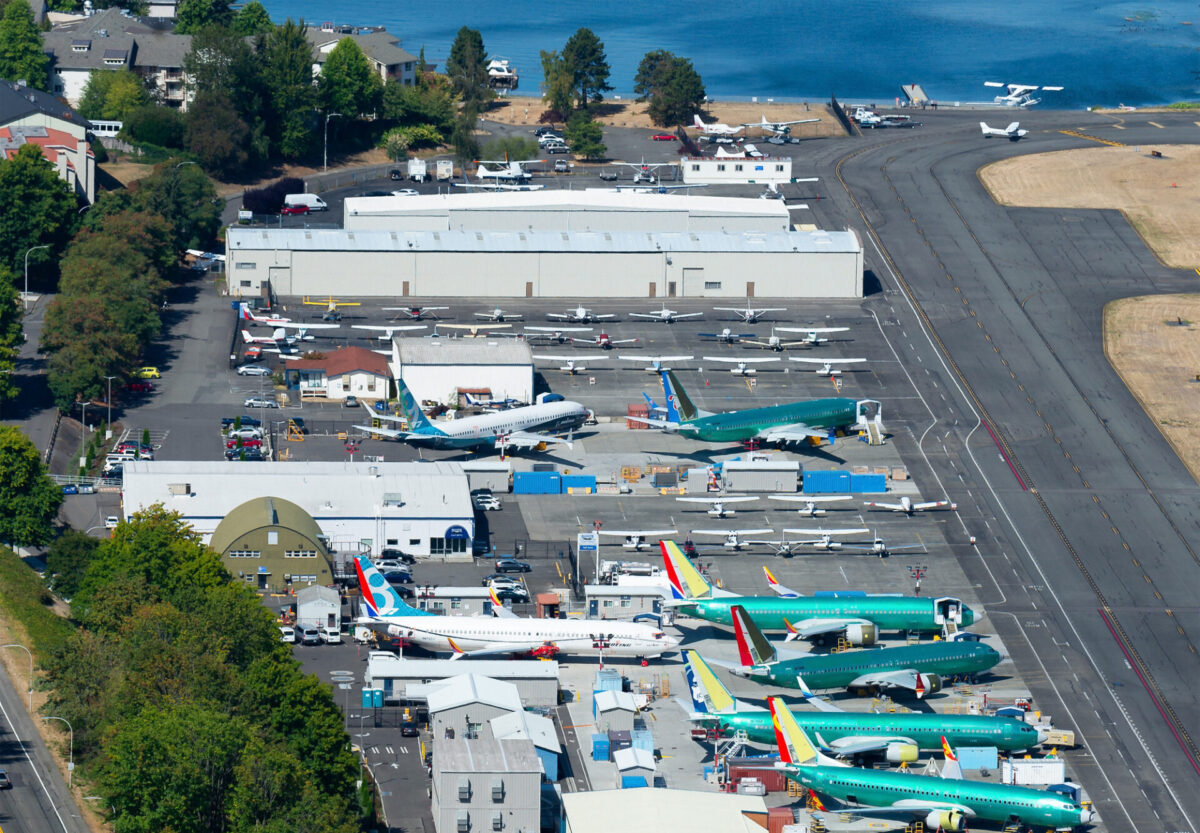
{"type": "Point", "coordinates": [331, 635]}
{"type": "Point", "coordinates": [310, 201]}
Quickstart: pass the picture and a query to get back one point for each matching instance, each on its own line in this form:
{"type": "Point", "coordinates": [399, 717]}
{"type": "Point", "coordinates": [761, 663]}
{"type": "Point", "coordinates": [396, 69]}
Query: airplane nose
{"type": "Point", "coordinates": [1043, 734]}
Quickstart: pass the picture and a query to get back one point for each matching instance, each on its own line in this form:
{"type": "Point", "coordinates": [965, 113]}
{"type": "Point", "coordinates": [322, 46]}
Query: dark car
{"type": "Point", "coordinates": [140, 387]}
{"type": "Point", "coordinates": [398, 577]}
{"type": "Point", "coordinates": [247, 422]}
{"type": "Point", "coordinates": [557, 149]}
{"type": "Point", "coordinates": [404, 591]}
{"type": "Point", "coordinates": [397, 555]}
{"type": "Point", "coordinates": [395, 174]}
{"type": "Point", "coordinates": [376, 194]}
{"type": "Point", "coordinates": [543, 130]}
{"type": "Point", "coordinates": [511, 565]}
{"type": "Point", "coordinates": [243, 454]}
{"type": "Point", "coordinates": [511, 594]}
{"type": "Point", "coordinates": [408, 729]}
{"type": "Point", "coordinates": [310, 636]}
{"type": "Point", "coordinates": [608, 176]}
{"type": "Point", "coordinates": [5, 783]}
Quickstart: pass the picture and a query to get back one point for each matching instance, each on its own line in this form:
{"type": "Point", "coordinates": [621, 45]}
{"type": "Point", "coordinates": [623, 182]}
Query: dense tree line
{"type": "Point", "coordinates": [190, 715]}
{"type": "Point", "coordinates": [29, 500]}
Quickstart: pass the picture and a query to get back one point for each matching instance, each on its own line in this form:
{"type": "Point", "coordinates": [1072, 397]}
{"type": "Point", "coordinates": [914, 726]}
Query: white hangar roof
{"type": "Point", "coordinates": [463, 351]}
{"type": "Point", "coordinates": [207, 489]}
{"type": "Point", "coordinates": [339, 240]}
{"type": "Point", "coordinates": [586, 200]}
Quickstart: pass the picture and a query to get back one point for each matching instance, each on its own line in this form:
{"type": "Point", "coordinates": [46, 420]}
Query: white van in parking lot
{"type": "Point", "coordinates": [310, 201]}
{"type": "Point", "coordinates": [331, 635]}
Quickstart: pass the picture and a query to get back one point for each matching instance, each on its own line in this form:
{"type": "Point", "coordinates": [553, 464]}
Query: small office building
{"type": "Point", "coordinates": [404, 680]}
{"type": "Point", "coordinates": [486, 785]}
{"type": "Point", "coordinates": [607, 601]}
{"type": "Point", "coordinates": [537, 730]}
{"type": "Point", "coordinates": [729, 169]}
{"type": "Point", "coordinates": [347, 371]}
{"type": "Point", "coordinates": [460, 707]}
{"type": "Point", "coordinates": [319, 607]}
{"type": "Point", "coordinates": [781, 476]}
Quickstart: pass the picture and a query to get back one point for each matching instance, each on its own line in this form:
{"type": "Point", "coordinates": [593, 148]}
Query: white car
{"type": "Point", "coordinates": [550, 139]}
{"type": "Point", "coordinates": [244, 433]}
{"type": "Point", "coordinates": [287, 634]}
{"type": "Point", "coordinates": [254, 370]}
{"type": "Point", "coordinates": [487, 503]}
{"type": "Point", "coordinates": [331, 635]}
{"type": "Point", "coordinates": [406, 192]}
{"type": "Point", "coordinates": [111, 522]}
{"type": "Point", "coordinates": [259, 402]}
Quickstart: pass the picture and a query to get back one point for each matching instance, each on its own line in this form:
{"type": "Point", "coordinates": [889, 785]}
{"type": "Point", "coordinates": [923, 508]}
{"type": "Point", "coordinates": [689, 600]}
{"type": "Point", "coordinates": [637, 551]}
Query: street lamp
{"type": "Point", "coordinates": [27, 251]}
{"type": "Point", "coordinates": [26, 650]}
{"type": "Point", "coordinates": [108, 420]}
{"type": "Point", "coordinates": [71, 748]}
{"type": "Point", "coordinates": [82, 426]}
{"type": "Point", "coordinates": [325, 161]}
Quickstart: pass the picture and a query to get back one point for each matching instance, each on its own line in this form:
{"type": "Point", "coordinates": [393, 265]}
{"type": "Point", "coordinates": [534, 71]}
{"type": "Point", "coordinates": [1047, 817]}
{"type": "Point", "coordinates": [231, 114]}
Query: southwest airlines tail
{"type": "Point", "coordinates": [379, 597]}
{"type": "Point", "coordinates": [709, 694]}
{"type": "Point", "coordinates": [753, 647]}
{"type": "Point", "coordinates": [679, 404]}
{"type": "Point", "coordinates": [686, 581]}
{"type": "Point", "coordinates": [417, 421]}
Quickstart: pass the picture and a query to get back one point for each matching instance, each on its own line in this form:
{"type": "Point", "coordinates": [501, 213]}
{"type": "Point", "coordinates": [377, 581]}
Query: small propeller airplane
{"type": "Point", "coordinates": [775, 343]}
{"type": "Point", "coordinates": [779, 129]}
{"type": "Point", "coordinates": [812, 335]}
{"type": "Point", "coordinates": [666, 316]}
{"type": "Point", "coordinates": [645, 171]}
{"type": "Point", "coordinates": [809, 503]}
{"type": "Point", "coordinates": [386, 332]}
{"type": "Point", "coordinates": [570, 364]}
{"type": "Point", "coordinates": [733, 539]}
{"type": "Point", "coordinates": [301, 330]}
{"type": "Point", "coordinates": [415, 313]}
{"type": "Point", "coordinates": [749, 314]}
{"type": "Point", "coordinates": [636, 540]}
{"type": "Point", "coordinates": [476, 330]}
{"type": "Point", "coordinates": [581, 315]}
{"type": "Point", "coordinates": [247, 315]}
{"type": "Point", "coordinates": [331, 304]}
{"type": "Point", "coordinates": [655, 364]}
{"type": "Point", "coordinates": [727, 336]}
{"type": "Point", "coordinates": [508, 172]}
{"type": "Point", "coordinates": [824, 539]}
{"type": "Point", "coordinates": [1013, 132]}
{"type": "Point", "coordinates": [742, 367]}
{"type": "Point", "coordinates": [716, 505]}
{"type": "Point", "coordinates": [500, 316]}
{"type": "Point", "coordinates": [880, 548]}
{"type": "Point", "coordinates": [555, 334]}
{"type": "Point", "coordinates": [276, 336]}
{"type": "Point", "coordinates": [909, 508]}
{"type": "Point", "coordinates": [826, 367]}
{"type": "Point", "coordinates": [783, 548]}
{"type": "Point", "coordinates": [604, 341]}
{"type": "Point", "coordinates": [1019, 95]}
{"type": "Point", "coordinates": [716, 128]}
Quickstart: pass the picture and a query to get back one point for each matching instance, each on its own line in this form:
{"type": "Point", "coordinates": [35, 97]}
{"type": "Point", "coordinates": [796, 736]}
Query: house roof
{"type": "Point", "coordinates": [633, 758]}
{"type": "Point", "coordinates": [18, 101]}
{"type": "Point", "coordinates": [532, 727]}
{"type": "Point", "coordinates": [378, 45]}
{"type": "Point", "coordinates": [610, 700]}
{"type": "Point", "coordinates": [474, 688]}
{"type": "Point", "coordinates": [146, 44]}
{"type": "Point", "coordinates": [346, 360]}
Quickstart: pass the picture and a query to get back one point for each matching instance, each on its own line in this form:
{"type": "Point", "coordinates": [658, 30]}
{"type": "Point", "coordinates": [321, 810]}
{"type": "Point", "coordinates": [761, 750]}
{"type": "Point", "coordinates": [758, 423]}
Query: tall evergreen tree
{"type": "Point", "coordinates": [584, 55]}
{"type": "Point", "coordinates": [194, 15]}
{"type": "Point", "coordinates": [287, 74]}
{"type": "Point", "coordinates": [29, 499]}
{"type": "Point", "coordinates": [348, 85]}
{"type": "Point", "coordinates": [467, 65]}
{"type": "Point", "coordinates": [22, 57]}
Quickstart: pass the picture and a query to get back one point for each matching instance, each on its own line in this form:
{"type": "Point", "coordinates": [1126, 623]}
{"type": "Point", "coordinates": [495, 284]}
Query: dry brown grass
{"type": "Point", "coordinates": [1159, 361]}
{"type": "Point", "coordinates": [522, 110]}
{"type": "Point", "coordinates": [1124, 178]}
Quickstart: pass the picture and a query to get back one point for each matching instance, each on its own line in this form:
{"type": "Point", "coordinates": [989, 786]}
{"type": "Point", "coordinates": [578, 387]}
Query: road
{"type": "Point", "coordinates": [1088, 573]}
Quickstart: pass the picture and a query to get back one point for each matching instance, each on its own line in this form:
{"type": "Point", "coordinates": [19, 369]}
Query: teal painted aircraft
{"type": "Point", "coordinates": [857, 616]}
{"type": "Point", "coordinates": [944, 802]}
{"type": "Point", "coordinates": [896, 737]}
{"type": "Point", "coordinates": [918, 668]}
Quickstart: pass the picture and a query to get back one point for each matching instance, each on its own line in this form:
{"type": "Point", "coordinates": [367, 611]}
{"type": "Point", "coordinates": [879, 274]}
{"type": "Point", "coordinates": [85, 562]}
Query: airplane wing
{"type": "Point", "coordinates": [689, 315]}
{"type": "Point", "coordinates": [808, 628]}
{"type": "Point", "coordinates": [653, 359]}
{"type": "Point", "coordinates": [794, 433]}
{"type": "Point", "coordinates": [906, 678]}
{"type": "Point", "coordinates": [583, 340]}
{"type": "Point", "coordinates": [662, 423]}
{"type": "Point", "coordinates": [645, 315]}
{"type": "Point", "coordinates": [810, 498]}
{"type": "Point", "coordinates": [736, 360]}
{"type": "Point", "coordinates": [642, 533]}
{"type": "Point", "coordinates": [471, 326]}
{"type": "Point", "coordinates": [906, 808]}
{"type": "Point", "coordinates": [379, 329]}
{"type": "Point", "coordinates": [813, 329]}
{"type": "Point", "coordinates": [491, 317]}
{"type": "Point", "coordinates": [525, 439]}
{"type": "Point", "coordinates": [623, 341]}
{"type": "Point", "coordinates": [808, 360]}
{"type": "Point", "coordinates": [930, 504]}
{"type": "Point", "coordinates": [491, 650]}
{"type": "Point", "coordinates": [604, 315]}
{"type": "Point", "coordinates": [851, 745]}
{"type": "Point", "coordinates": [780, 590]}
{"type": "Point", "coordinates": [731, 499]}
{"type": "Point", "coordinates": [826, 531]}
{"type": "Point", "coordinates": [725, 533]}
{"type": "Point", "coordinates": [558, 329]}
{"type": "Point", "coordinates": [563, 315]}
{"type": "Point", "coordinates": [895, 507]}
{"type": "Point", "coordinates": [292, 325]}
{"type": "Point", "coordinates": [588, 358]}
{"type": "Point", "coordinates": [394, 433]}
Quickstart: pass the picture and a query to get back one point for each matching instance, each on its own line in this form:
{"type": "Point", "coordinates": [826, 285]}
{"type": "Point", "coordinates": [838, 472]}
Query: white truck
{"type": "Point", "coordinates": [445, 169]}
{"type": "Point", "coordinates": [418, 171]}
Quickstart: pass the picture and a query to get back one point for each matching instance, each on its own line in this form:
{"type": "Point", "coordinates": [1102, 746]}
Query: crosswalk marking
{"type": "Point", "coordinates": [389, 750]}
{"type": "Point", "coordinates": [1156, 124]}
{"type": "Point", "coordinates": [374, 750]}
{"type": "Point", "coordinates": [403, 750]}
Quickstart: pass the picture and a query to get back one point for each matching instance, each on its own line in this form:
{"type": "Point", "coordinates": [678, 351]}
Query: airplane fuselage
{"type": "Point", "coordinates": [993, 802]}
{"type": "Point", "coordinates": [839, 670]}
{"type": "Point", "coordinates": [834, 412]}
{"type": "Point", "coordinates": [889, 613]}
{"type": "Point", "coordinates": [482, 430]}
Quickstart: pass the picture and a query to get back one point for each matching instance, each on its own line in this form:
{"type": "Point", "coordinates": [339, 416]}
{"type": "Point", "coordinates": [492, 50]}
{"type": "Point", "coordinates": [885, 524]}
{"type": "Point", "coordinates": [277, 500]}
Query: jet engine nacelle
{"type": "Point", "coordinates": [861, 634]}
{"type": "Point", "coordinates": [945, 820]}
{"type": "Point", "coordinates": [929, 684]}
{"type": "Point", "coordinates": [902, 753]}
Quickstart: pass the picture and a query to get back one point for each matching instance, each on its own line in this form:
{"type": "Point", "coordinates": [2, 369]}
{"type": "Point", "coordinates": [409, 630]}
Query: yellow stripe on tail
{"type": "Point", "coordinates": [719, 698]}
{"type": "Point", "coordinates": [794, 746]}
{"type": "Point", "coordinates": [691, 583]}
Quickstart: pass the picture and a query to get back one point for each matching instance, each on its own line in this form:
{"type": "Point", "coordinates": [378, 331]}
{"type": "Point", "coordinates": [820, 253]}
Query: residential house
{"type": "Point", "coordinates": [347, 371]}
{"type": "Point", "coordinates": [29, 116]}
{"type": "Point", "coordinates": [383, 50]}
{"type": "Point", "coordinates": [110, 39]}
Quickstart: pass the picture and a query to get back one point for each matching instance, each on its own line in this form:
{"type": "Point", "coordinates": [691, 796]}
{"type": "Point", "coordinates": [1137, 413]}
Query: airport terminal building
{"type": "Point", "coordinates": [555, 244]}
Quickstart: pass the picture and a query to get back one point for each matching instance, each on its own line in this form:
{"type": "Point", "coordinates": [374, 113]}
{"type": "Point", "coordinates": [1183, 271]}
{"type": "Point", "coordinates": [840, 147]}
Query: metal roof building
{"type": "Point", "coordinates": [462, 706]}
{"type": "Point", "coordinates": [536, 729]}
{"type": "Point", "coordinates": [405, 680]}
{"type": "Point", "coordinates": [436, 369]}
{"type": "Point", "coordinates": [485, 784]}
{"type": "Point", "coordinates": [663, 811]}
{"type": "Point", "coordinates": [422, 508]}
{"type": "Point", "coordinates": [274, 545]}
{"type": "Point", "coordinates": [539, 263]}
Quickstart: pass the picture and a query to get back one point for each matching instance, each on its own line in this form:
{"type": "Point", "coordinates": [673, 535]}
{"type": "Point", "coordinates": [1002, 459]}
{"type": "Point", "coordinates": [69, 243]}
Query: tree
{"type": "Point", "coordinates": [38, 208]}
{"type": "Point", "coordinates": [216, 135]}
{"type": "Point", "coordinates": [584, 56]}
{"type": "Point", "coordinates": [29, 499]}
{"type": "Point", "coordinates": [418, 104]}
{"type": "Point", "coordinates": [22, 57]}
{"type": "Point", "coordinates": [221, 62]}
{"type": "Point", "coordinates": [558, 84]}
{"type": "Point", "coordinates": [467, 66]}
{"type": "Point", "coordinates": [183, 196]}
{"type": "Point", "coordinates": [67, 560]}
{"type": "Point", "coordinates": [155, 125]}
{"type": "Point", "coordinates": [125, 94]}
{"type": "Point", "coordinates": [466, 146]}
{"type": "Point", "coordinates": [194, 15]}
{"type": "Point", "coordinates": [287, 75]}
{"type": "Point", "coordinates": [585, 135]}
{"type": "Point", "coordinates": [95, 93]}
{"type": "Point", "coordinates": [347, 84]}
{"type": "Point", "coordinates": [252, 19]}
{"type": "Point", "coordinates": [395, 143]}
{"type": "Point", "coordinates": [672, 87]}
{"type": "Point", "coordinates": [10, 335]}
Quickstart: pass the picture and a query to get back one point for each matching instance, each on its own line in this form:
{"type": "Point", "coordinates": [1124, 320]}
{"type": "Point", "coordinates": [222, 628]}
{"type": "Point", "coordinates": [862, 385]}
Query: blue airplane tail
{"type": "Point", "coordinates": [698, 703]}
{"type": "Point", "coordinates": [380, 598]}
{"type": "Point", "coordinates": [417, 421]}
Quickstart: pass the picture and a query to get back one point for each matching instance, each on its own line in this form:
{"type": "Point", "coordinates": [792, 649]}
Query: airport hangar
{"type": "Point", "coordinates": [550, 244]}
{"type": "Point", "coordinates": [422, 508]}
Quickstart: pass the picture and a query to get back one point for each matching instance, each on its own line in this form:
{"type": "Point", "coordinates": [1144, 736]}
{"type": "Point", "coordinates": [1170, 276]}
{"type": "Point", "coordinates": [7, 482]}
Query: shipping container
{"type": "Point", "coordinates": [665, 480]}
{"type": "Point", "coordinates": [874, 484]}
{"type": "Point", "coordinates": [628, 782]}
{"type": "Point", "coordinates": [621, 739]}
{"type": "Point", "coordinates": [537, 483]}
{"type": "Point", "coordinates": [607, 679]}
{"type": "Point", "coordinates": [825, 481]}
{"type": "Point", "coordinates": [1033, 772]}
{"type": "Point", "coordinates": [773, 779]}
{"type": "Point", "coordinates": [600, 748]}
{"type": "Point", "coordinates": [643, 739]}
{"type": "Point", "coordinates": [579, 482]}
{"type": "Point", "coordinates": [642, 411]}
{"type": "Point", "coordinates": [778, 817]}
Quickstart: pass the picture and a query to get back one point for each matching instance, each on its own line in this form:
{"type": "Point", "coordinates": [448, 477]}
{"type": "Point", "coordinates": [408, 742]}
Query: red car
{"type": "Point", "coordinates": [294, 209]}
{"type": "Point", "coordinates": [249, 442]}
{"type": "Point", "coordinates": [664, 137]}
{"type": "Point", "coordinates": [140, 387]}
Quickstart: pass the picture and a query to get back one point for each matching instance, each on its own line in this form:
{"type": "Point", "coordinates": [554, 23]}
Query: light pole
{"type": "Point", "coordinates": [27, 251]}
{"type": "Point", "coordinates": [82, 427]}
{"type": "Point", "coordinates": [108, 419]}
{"type": "Point", "coordinates": [26, 650]}
{"type": "Point", "coordinates": [325, 161]}
{"type": "Point", "coordinates": [71, 748]}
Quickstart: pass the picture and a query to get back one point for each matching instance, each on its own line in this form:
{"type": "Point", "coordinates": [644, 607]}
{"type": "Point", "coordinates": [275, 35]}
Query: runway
{"type": "Point", "coordinates": [1091, 570]}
